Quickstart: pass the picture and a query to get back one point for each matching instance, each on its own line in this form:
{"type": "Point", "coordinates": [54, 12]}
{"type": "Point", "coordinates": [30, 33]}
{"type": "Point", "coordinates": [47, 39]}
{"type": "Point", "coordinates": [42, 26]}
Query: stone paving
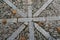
{"type": "Point", "coordinates": [49, 26]}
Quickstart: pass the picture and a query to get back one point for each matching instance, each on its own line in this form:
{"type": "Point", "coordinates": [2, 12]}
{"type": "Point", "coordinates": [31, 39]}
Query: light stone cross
{"type": "Point", "coordinates": [29, 20]}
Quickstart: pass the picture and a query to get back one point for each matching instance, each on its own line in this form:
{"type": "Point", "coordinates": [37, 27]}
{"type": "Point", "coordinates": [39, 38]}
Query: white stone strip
{"type": "Point", "coordinates": [10, 4]}
{"type": "Point", "coordinates": [16, 33]}
{"type": "Point", "coordinates": [31, 27]}
{"type": "Point", "coordinates": [15, 8]}
{"type": "Point", "coordinates": [9, 20]}
{"type": "Point", "coordinates": [39, 19]}
{"type": "Point", "coordinates": [34, 19]}
{"type": "Point", "coordinates": [31, 31]}
{"type": "Point", "coordinates": [53, 18]}
{"type": "Point", "coordinates": [30, 11]}
{"type": "Point", "coordinates": [24, 19]}
{"type": "Point", "coordinates": [19, 20]}
{"type": "Point", "coordinates": [42, 31]}
{"type": "Point", "coordinates": [46, 34]}
{"type": "Point", "coordinates": [47, 18]}
{"type": "Point", "coordinates": [42, 8]}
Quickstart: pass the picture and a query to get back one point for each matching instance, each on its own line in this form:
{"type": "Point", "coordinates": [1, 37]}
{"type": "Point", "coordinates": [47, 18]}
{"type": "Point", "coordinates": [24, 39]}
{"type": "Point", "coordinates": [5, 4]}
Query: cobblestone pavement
{"type": "Point", "coordinates": [50, 26]}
